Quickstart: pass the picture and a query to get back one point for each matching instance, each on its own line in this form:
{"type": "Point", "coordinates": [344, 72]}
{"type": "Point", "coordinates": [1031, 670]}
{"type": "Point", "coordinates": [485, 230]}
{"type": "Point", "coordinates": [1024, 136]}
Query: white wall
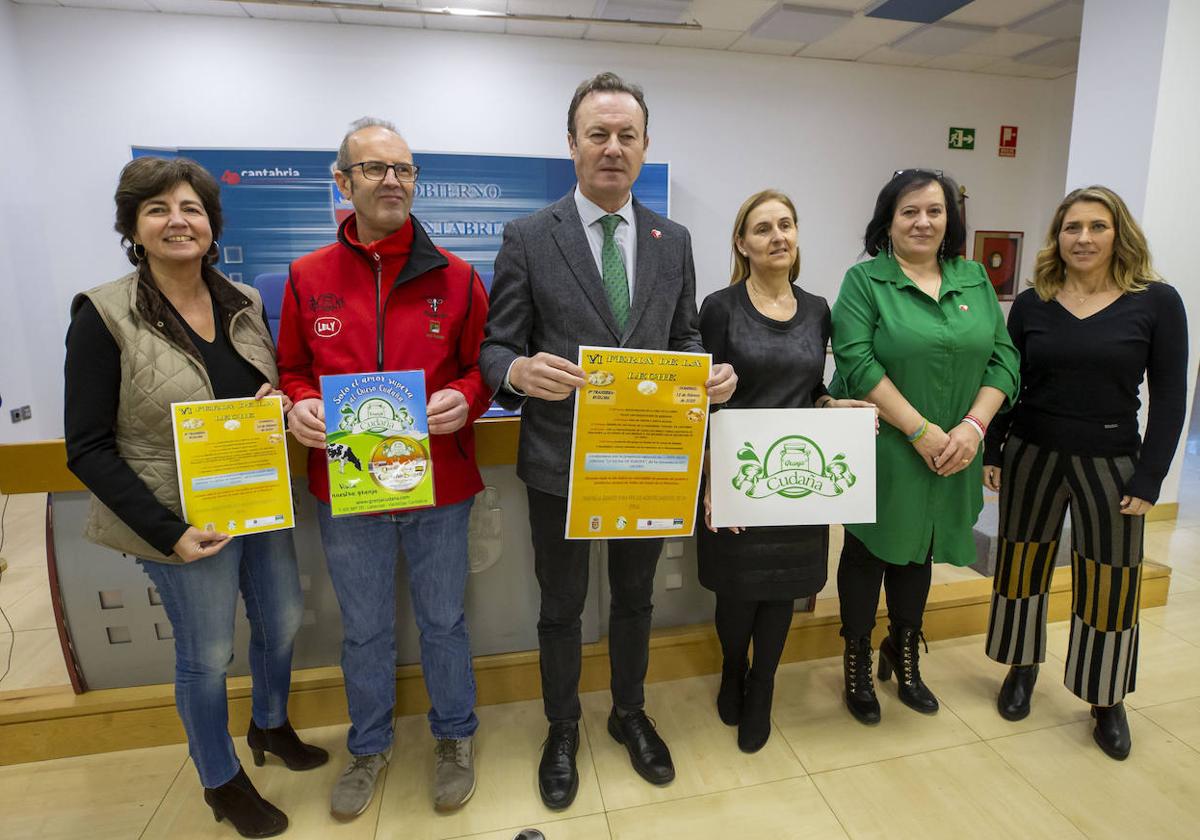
{"type": "Point", "coordinates": [829, 133]}
{"type": "Point", "coordinates": [1174, 175]}
{"type": "Point", "coordinates": [28, 354]}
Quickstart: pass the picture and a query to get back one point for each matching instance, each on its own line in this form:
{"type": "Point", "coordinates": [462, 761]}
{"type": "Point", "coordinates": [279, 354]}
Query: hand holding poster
{"type": "Point", "coordinates": [377, 442]}
{"type": "Point", "coordinates": [232, 463]}
{"type": "Point", "coordinates": [638, 443]}
{"type": "Point", "coordinates": [792, 466]}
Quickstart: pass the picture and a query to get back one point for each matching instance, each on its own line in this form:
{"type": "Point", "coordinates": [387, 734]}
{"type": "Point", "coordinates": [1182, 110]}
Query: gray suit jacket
{"type": "Point", "coordinates": [547, 297]}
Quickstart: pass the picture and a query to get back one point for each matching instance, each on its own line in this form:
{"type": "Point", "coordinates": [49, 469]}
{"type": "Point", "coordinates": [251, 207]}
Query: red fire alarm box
{"type": "Point", "coordinates": [1008, 141]}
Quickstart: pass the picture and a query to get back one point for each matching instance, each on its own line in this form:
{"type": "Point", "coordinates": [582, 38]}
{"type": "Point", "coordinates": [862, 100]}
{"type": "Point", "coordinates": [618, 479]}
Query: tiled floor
{"type": "Point", "coordinates": [963, 773]}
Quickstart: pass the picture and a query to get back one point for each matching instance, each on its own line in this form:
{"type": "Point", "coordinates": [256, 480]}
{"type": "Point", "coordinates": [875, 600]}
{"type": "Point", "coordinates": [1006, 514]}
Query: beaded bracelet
{"type": "Point", "coordinates": [919, 433]}
{"type": "Point", "coordinates": [977, 424]}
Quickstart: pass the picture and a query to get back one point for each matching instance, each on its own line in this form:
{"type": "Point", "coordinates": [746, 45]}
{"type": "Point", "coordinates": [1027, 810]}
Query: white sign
{"type": "Point", "coordinates": [792, 466]}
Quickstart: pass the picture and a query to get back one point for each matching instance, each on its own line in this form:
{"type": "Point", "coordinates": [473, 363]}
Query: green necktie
{"type": "Point", "coordinates": [616, 286]}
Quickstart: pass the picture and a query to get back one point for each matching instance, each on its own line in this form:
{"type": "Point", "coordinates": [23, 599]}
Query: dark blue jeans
{"type": "Point", "coordinates": [200, 599]}
{"type": "Point", "coordinates": [361, 552]}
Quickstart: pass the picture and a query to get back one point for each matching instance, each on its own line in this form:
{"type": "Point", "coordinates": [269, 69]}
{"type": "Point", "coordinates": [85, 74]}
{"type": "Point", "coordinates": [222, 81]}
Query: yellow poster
{"type": "Point", "coordinates": [231, 456]}
{"type": "Point", "coordinates": [638, 443]}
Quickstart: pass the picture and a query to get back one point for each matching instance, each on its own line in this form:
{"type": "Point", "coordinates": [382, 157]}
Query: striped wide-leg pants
{"type": "Point", "coordinates": [1036, 488]}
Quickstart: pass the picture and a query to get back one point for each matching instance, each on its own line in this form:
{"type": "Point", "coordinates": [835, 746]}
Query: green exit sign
{"type": "Point", "coordinates": [961, 138]}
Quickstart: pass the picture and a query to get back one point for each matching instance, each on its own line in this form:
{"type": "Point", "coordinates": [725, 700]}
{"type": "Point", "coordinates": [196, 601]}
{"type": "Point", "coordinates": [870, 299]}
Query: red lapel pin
{"type": "Point", "coordinates": [656, 233]}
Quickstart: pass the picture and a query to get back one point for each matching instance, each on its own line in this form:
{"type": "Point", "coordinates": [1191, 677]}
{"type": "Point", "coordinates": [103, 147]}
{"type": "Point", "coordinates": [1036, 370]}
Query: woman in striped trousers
{"type": "Point", "coordinates": [1096, 321]}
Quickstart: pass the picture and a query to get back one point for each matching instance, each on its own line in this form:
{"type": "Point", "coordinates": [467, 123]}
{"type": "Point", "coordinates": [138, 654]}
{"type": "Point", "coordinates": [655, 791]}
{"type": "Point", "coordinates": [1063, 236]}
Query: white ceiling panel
{"type": "Point", "coordinates": [940, 39]}
{"type": "Point", "coordinates": [37, 2]}
{"type": "Point", "coordinates": [795, 23]}
{"type": "Point", "coordinates": [624, 34]}
{"type": "Point", "coordinates": [1008, 67]}
{"type": "Point", "coordinates": [858, 37]}
{"type": "Point", "coordinates": [841, 5]}
{"type": "Point", "coordinates": [996, 12]}
{"type": "Point", "coordinates": [199, 7]}
{"type": "Point", "coordinates": [959, 61]}
{"type": "Point", "coordinates": [1063, 54]}
{"type": "Point", "coordinates": [119, 5]}
{"type": "Point", "coordinates": [1063, 20]}
{"type": "Point", "coordinates": [727, 14]}
{"type": "Point", "coordinates": [370, 18]}
{"type": "Point", "coordinates": [660, 11]}
{"type": "Point", "coordinates": [261, 10]}
{"type": "Point", "coordinates": [767, 46]}
{"type": "Point", "coordinates": [573, 31]}
{"type": "Point", "coordinates": [1004, 44]}
{"type": "Point", "coordinates": [481, 5]}
{"type": "Point", "coordinates": [577, 8]}
{"type": "Point", "coordinates": [705, 39]}
{"type": "Point", "coordinates": [464, 23]}
{"type": "Point", "coordinates": [887, 55]}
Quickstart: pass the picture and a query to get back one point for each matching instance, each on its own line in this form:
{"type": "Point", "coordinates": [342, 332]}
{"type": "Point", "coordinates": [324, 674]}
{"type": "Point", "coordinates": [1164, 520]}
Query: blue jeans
{"type": "Point", "coordinates": [200, 599]}
{"type": "Point", "coordinates": [361, 552]}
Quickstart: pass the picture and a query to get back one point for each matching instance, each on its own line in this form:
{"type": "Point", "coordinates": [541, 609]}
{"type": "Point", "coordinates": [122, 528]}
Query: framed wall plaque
{"type": "Point", "coordinates": [1000, 253]}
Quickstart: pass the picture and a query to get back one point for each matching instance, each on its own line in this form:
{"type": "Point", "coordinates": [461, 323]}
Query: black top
{"type": "Point", "coordinates": [780, 364]}
{"type": "Point", "coordinates": [1080, 380]}
{"type": "Point", "coordinates": [93, 387]}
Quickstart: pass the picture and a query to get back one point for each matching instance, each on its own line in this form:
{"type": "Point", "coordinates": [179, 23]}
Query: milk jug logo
{"type": "Point", "coordinates": [793, 467]}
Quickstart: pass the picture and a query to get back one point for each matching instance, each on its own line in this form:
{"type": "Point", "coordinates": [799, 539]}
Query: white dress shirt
{"type": "Point", "coordinates": [625, 237]}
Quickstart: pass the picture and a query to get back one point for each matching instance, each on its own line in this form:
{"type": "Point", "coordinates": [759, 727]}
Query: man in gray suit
{"type": "Point", "coordinates": [595, 268]}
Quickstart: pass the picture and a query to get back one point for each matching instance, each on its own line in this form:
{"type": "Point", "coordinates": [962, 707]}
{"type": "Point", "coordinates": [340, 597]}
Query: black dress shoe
{"type": "Point", "coordinates": [1016, 692]}
{"type": "Point", "coordinates": [860, 690]}
{"type": "Point", "coordinates": [647, 751]}
{"type": "Point", "coordinates": [238, 802]}
{"type": "Point", "coordinates": [558, 780]}
{"type": "Point", "coordinates": [729, 695]}
{"type": "Point", "coordinates": [1112, 731]}
{"type": "Point", "coordinates": [285, 743]}
{"type": "Point", "coordinates": [898, 652]}
{"type": "Point", "coordinates": [755, 727]}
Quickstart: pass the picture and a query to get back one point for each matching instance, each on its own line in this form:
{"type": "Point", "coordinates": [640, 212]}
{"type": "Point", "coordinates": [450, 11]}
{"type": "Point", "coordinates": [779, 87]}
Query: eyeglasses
{"type": "Point", "coordinates": [900, 172]}
{"type": "Point", "coordinates": [377, 170]}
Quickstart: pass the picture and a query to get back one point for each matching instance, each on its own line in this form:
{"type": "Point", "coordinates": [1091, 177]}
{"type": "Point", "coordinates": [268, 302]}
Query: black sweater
{"type": "Point", "coordinates": [1080, 380]}
{"type": "Point", "coordinates": [93, 387]}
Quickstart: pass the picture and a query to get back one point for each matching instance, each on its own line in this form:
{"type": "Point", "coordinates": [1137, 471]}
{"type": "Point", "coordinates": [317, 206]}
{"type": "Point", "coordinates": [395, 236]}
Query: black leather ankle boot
{"type": "Point", "coordinates": [754, 730]}
{"type": "Point", "coordinates": [729, 695]}
{"type": "Point", "coordinates": [1016, 692]}
{"type": "Point", "coordinates": [898, 652]}
{"type": "Point", "coordinates": [285, 743]}
{"type": "Point", "coordinates": [1112, 730]}
{"type": "Point", "coordinates": [238, 802]}
{"type": "Point", "coordinates": [860, 689]}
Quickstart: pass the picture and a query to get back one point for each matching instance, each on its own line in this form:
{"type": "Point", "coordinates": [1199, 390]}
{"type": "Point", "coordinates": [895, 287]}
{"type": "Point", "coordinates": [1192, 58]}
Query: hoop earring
{"type": "Point", "coordinates": [214, 252]}
{"type": "Point", "coordinates": [889, 246]}
{"type": "Point", "coordinates": [139, 251]}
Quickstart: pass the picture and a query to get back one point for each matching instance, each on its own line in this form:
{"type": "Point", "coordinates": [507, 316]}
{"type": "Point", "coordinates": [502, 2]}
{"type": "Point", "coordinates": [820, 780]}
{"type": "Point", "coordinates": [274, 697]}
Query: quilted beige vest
{"type": "Point", "coordinates": [160, 365]}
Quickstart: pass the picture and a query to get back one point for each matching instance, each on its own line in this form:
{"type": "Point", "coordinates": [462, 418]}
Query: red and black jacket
{"type": "Point", "coordinates": [400, 303]}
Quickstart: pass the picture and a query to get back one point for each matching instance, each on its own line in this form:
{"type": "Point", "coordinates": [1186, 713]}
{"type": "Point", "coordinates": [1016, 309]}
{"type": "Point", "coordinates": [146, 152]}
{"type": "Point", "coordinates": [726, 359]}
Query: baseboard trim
{"type": "Point", "coordinates": [41, 724]}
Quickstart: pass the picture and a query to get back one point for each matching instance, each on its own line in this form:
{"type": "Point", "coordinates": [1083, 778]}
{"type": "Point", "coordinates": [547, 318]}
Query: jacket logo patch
{"type": "Point", "coordinates": [434, 304]}
{"type": "Point", "coordinates": [325, 303]}
{"type": "Point", "coordinates": [327, 326]}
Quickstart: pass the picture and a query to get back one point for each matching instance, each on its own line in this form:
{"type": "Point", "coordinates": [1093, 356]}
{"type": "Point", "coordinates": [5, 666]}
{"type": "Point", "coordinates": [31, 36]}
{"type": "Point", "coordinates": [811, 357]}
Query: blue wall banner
{"type": "Point", "coordinates": [281, 204]}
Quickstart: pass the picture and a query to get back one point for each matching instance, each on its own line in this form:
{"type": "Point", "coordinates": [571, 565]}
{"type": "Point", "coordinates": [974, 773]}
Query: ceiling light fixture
{"type": "Point", "coordinates": [460, 11]}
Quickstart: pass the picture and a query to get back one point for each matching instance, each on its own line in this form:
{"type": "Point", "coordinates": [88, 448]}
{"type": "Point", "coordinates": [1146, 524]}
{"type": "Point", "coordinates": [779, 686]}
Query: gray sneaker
{"type": "Point", "coordinates": [453, 773]}
{"type": "Point", "coordinates": [356, 786]}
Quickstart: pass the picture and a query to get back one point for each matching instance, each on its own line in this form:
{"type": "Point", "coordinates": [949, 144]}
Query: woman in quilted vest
{"type": "Point", "coordinates": [174, 329]}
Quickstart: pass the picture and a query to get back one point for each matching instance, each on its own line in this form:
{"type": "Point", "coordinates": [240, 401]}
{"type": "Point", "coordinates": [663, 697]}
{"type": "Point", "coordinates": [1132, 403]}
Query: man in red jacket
{"type": "Point", "coordinates": [384, 297]}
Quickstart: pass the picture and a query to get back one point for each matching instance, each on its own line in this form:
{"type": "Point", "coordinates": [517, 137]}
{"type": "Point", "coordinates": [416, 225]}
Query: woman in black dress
{"type": "Point", "coordinates": [774, 334]}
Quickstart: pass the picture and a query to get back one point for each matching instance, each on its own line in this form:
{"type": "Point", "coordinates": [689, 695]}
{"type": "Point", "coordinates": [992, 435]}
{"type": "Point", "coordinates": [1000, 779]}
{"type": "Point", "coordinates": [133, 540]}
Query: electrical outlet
{"type": "Point", "coordinates": [15, 414]}
{"type": "Point", "coordinates": [26, 412]}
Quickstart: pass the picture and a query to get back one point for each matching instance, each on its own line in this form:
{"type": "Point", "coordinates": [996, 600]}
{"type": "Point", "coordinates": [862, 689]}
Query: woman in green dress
{"type": "Point", "coordinates": [917, 331]}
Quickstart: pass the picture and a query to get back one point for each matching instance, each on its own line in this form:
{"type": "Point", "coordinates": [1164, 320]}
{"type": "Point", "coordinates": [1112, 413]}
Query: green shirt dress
{"type": "Point", "coordinates": [938, 354]}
